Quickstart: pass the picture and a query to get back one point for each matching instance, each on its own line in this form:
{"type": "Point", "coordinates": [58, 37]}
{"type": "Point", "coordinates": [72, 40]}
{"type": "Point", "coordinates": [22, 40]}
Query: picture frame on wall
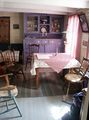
{"type": "Point", "coordinates": [15, 26]}
{"type": "Point", "coordinates": [83, 22]}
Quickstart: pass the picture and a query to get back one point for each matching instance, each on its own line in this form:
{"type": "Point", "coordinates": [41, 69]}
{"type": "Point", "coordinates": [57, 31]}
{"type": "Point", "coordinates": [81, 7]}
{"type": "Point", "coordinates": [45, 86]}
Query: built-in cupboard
{"type": "Point", "coordinates": [45, 30]}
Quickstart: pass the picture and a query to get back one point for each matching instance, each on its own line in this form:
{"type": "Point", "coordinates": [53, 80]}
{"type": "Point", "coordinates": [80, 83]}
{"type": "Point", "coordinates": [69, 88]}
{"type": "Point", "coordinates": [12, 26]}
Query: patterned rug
{"type": "Point", "coordinates": [50, 84]}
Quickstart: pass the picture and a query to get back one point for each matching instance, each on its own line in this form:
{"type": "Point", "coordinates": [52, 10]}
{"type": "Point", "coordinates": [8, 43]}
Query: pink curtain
{"type": "Point", "coordinates": [88, 49]}
{"type": "Point", "coordinates": [73, 37]}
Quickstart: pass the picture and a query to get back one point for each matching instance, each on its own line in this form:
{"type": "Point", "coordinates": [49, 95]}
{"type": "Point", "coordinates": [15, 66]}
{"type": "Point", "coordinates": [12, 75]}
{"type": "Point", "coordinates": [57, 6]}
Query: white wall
{"type": "Point", "coordinates": [16, 35]}
{"type": "Point", "coordinates": [85, 36]}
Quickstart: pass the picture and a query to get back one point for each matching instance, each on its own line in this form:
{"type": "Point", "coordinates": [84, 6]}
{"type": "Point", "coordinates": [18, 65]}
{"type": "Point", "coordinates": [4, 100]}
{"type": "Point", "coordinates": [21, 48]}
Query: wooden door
{"type": "Point", "coordinates": [4, 30]}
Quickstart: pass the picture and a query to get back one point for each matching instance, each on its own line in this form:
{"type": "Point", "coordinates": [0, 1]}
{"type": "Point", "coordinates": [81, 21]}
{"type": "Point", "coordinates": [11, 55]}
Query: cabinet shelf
{"type": "Point", "coordinates": [44, 19]}
{"type": "Point", "coordinates": [44, 24]}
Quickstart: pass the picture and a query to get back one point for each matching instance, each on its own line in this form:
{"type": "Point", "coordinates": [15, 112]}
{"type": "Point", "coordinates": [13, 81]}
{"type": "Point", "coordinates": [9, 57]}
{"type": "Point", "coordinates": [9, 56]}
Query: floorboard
{"type": "Point", "coordinates": [44, 103]}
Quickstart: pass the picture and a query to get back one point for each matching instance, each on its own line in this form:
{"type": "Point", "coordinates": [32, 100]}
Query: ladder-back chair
{"type": "Point", "coordinates": [77, 75]}
{"type": "Point", "coordinates": [33, 48]}
{"type": "Point", "coordinates": [11, 60]}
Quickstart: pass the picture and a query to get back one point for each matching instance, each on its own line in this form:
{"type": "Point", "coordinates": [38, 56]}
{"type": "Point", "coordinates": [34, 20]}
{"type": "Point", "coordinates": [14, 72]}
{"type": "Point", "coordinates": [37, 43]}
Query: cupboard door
{"type": "Point", "coordinates": [56, 24]}
{"type": "Point", "coordinates": [32, 24]}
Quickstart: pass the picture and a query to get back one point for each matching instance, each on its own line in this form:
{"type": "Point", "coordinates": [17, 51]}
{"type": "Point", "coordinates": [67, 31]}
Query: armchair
{"type": "Point", "coordinates": [78, 75]}
{"type": "Point", "coordinates": [8, 93]}
{"type": "Point", "coordinates": [11, 62]}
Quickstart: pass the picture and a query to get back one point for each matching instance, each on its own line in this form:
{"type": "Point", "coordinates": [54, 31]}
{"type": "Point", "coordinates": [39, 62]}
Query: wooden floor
{"type": "Point", "coordinates": [38, 108]}
{"type": "Point", "coordinates": [44, 103]}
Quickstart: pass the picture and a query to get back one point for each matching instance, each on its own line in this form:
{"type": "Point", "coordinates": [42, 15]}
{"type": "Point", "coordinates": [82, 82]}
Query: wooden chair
{"type": "Point", "coordinates": [8, 57]}
{"type": "Point", "coordinates": [8, 94]}
{"type": "Point", "coordinates": [33, 48]}
{"type": "Point", "coordinates": [12, 65]}
{"type": "Point", "coordinates": [77, 75]}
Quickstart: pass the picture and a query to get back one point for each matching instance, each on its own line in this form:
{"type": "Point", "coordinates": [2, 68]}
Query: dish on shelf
{"type": "Point", "coordinates": [43, 29]}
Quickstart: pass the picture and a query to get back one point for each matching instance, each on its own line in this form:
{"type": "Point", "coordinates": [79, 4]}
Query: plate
{"type": "Point", "coordinates": [43, 30]}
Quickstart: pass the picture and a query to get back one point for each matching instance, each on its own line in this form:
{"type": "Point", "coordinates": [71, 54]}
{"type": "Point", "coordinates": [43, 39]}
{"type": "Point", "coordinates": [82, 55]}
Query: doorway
{"type": "Point", "coordinates": [4, 30]}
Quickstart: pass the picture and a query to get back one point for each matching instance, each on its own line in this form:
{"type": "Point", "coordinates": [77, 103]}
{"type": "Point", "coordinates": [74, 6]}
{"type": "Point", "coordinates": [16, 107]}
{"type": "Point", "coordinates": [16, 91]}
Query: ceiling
{"type": "Point", "coordinates": [43, 6]}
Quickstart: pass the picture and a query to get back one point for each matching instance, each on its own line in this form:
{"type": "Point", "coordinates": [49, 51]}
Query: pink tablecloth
{"type": "Point", "coordinates": [59, 62]}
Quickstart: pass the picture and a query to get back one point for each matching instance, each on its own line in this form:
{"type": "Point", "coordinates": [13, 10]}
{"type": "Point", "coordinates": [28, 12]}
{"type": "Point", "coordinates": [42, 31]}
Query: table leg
{"type": "Point", "coordinates": [37, 77]}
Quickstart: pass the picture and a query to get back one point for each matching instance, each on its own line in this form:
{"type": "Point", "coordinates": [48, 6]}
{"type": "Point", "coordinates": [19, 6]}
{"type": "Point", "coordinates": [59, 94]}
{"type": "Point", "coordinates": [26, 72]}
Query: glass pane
{"type": "Point", "coordinates": [56, 25]}
{"type": "Point", "coordinates": [32, 24]}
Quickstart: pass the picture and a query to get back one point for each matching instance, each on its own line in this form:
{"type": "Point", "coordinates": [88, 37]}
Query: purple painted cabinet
{"type": "Point", "coordinates": [45, 30]}
{"type": "Point", "coordinates": [46, 45]}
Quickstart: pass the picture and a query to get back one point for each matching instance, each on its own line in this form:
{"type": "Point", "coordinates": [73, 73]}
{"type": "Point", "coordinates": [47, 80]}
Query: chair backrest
{"type": "Point", "coordinates": [33, 48]}
{"type": "Point", "coordinates": [10, 56]}
{"type": "Point", "coordinates": [84, 67]}
{"type": "Point", "coordinates": [16, 55]}
{"type": "Point", "coordinates": [1, 57]}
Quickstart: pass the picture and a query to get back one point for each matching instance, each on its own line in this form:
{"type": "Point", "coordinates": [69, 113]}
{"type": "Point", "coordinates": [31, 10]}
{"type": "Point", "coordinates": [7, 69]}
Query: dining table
{"type": "Point", "coordinates": [57, 62]}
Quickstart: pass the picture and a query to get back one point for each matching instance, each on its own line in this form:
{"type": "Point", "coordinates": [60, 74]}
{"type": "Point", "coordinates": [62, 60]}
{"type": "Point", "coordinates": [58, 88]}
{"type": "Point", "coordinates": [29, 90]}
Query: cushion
{"type": "Point", "coordinates": [73, 77]}
{"type": "Point", "coordinates": [4, 93]}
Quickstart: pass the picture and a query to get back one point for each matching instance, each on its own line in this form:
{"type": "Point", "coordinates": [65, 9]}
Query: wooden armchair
{"type": "Point", "coordinates": [77, 75]}
{"type": "Point", "coordinates": [8, 93]}
{"type": "Point", "coordinates": [11, 62]}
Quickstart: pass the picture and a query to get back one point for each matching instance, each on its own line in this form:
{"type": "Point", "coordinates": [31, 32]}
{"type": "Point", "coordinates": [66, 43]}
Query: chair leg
{"type": "Point", "coordinates": [23, 75]}
{"type": "Point", "coordinates": [7, 105]}
{"type": "Point", "coordinates": [64, 84]}
{"type": "Point", "coordinates": [14, 99]}
{"type": "Point", "coordinates": [68, 89]}
{"type": "Point", "coordinates": [82, 86]}
{"type": "Point", "coordinates": [26, 64]}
